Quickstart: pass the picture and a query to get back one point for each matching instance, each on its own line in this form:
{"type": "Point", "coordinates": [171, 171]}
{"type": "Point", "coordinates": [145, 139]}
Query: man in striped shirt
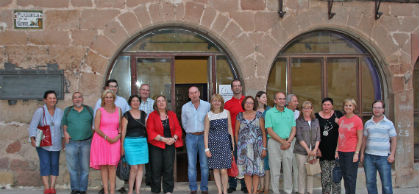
{"type": "Point", "coordinates": [378, 149]}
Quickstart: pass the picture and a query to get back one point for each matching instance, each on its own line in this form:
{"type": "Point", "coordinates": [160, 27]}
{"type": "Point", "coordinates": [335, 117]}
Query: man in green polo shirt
{"type": "Point", "coordinates": [280, 124]}
{"type": "Point", "coordinates": [77, 125]}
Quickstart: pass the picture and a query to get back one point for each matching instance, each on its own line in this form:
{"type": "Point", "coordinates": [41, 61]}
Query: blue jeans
{"type": "Point", "coordinates": [373, 163]}
{"type": "Point", "coordinates": [195, 147]}
{"type": "Point", "coordinates": [48, 162]}
{"type": "Point", "coordinates": [349, 171]}
{"type": "Point", "coordinates": [77, 154]}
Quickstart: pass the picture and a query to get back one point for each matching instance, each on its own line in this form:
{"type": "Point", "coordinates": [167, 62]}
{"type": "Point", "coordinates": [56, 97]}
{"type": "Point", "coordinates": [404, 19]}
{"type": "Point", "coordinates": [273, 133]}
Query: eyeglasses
{"type": "Point", "coordinates": [377, 107]}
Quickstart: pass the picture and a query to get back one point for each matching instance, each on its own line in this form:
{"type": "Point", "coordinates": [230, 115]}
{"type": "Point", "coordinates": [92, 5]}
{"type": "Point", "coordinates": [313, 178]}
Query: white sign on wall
{"type": "Point", "coordinates": [225, 91]}
{"type": "Point", "coordinates": [28, 19]}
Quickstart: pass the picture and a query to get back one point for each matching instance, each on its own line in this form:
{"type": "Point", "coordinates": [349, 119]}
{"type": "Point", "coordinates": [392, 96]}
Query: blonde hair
{"type": "Point", "coordinates": [307, 103]}
{"type": "Point", "coordinates": [352, 101]}
{"type": "Point", "coordinates": [217, 97]}
{"type": "Point", "coordinates": [104, 95]}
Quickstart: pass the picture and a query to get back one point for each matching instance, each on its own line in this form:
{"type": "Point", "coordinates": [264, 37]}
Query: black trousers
{"type": "Point", "coordinates": [161, 163]}
{"type": "Point", "coordinates": [349, 171]}
{"type": "Point", "coordinates": [148, 170]}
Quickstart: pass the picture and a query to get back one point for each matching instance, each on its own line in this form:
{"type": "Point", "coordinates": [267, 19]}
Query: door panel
{"type": "Point", "coordinates": [157, 73]}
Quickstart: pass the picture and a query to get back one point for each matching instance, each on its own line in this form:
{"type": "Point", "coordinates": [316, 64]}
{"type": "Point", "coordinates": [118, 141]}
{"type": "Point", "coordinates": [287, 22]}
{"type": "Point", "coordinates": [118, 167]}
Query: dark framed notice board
{"type": "Point", "coordinates": [30, 84]}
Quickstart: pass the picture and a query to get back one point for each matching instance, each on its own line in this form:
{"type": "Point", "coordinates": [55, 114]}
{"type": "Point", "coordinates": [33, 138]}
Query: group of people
{"type": "Point", "coordinates": [263, 141]}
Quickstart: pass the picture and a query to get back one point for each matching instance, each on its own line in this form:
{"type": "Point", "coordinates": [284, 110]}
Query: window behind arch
{"type": "Point", "coordinates": [326, 64]}
{"type": "Point", "coordinates": [165, 58]}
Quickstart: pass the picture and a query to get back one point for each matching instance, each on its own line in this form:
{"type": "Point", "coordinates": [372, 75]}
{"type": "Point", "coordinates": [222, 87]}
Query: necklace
{"type": "Point", "coordinates": [327, 128]}
{"type": "Point", "coordinates": [52, 118]}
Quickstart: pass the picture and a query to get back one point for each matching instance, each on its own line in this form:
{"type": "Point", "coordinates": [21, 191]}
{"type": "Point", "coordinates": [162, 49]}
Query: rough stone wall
{"type": "Point", "coordinates": [84, 36]}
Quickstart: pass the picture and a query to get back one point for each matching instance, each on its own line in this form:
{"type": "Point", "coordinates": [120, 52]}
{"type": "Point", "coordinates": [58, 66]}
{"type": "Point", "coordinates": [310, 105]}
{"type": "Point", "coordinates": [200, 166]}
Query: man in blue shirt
{"type": "Point", "coordinates": [193, 116]}
{"type": "Point", "coordinates": [378, 149]}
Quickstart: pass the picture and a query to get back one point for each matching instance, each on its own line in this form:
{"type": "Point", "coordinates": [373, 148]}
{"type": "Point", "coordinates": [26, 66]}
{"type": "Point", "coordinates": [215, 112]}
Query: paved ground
{"type": "Point", "coordinates": [180, 188]}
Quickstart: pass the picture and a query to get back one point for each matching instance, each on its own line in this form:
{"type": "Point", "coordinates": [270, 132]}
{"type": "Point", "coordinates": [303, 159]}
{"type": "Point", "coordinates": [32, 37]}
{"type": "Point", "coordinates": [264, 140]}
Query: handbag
{"type": "Point", "coordinates": [337, 172]}
{"type": "Point", "coordinates": [312, 166]}
{"type": "Point", "coordinates": [44, 138]}
{"type": "Point", "coordinates": [122, 170]}
{"type": "Point", "coordinates": [233, 171]}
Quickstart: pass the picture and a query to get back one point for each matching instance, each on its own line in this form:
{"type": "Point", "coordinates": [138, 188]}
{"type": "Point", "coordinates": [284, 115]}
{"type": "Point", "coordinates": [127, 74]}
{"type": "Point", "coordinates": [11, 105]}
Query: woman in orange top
{"type": "Point", "coordinates": [164, 135]}
{"type": "Point", "coordinates": [349, 144]}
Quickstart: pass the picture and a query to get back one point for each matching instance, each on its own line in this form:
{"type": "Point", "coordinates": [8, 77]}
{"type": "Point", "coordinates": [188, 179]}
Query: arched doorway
{"type": "Point", "coordinates": [324, 63]}
{"type": "Point", "coordinates": [170, 60]}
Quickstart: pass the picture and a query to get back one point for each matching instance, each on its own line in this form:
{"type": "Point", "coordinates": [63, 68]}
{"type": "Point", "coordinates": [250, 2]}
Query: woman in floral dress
{"type": "Point", "coordinates": [251, 144]}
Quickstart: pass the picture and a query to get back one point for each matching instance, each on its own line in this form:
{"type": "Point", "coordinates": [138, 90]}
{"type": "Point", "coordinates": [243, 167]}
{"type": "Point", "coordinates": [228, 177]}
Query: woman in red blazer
{"type": "Point", "coordinates": [164, 135]}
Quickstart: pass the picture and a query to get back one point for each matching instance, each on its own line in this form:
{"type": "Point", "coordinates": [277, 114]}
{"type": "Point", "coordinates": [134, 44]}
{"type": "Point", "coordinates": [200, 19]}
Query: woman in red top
{"type": "Point", "coordinates": [349, 144]}
{"type": "Point", "coordinates": [164, 134]}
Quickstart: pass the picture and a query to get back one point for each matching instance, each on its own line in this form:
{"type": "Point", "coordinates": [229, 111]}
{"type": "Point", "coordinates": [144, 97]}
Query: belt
{"type": "Point", "coordinates": [197, 133]}
{"type": "Point", "coordinates": [84, 139]}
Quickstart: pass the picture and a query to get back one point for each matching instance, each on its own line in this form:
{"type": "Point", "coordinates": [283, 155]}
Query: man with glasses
{"type": "Point", "coordinates": [119, 101]}
{"type": "Point", "coordinates": [77, 126]}
{"type": "Point", "coordinates": [234, 107]}
{"type": "Point", "coordinates": [378, 149]}
{"type": "Point", "coordinates": [280, 124]}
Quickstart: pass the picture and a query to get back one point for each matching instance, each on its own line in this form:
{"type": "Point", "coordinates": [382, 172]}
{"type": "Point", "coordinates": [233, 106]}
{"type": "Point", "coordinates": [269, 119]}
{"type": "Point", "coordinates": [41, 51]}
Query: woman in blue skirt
{"type": "Point", "coordinates": [134, 142]}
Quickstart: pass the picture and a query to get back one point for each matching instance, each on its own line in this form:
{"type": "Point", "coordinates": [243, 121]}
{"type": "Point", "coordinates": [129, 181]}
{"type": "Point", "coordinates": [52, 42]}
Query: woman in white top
{"type": "Point", "coordinates": [218, 141]}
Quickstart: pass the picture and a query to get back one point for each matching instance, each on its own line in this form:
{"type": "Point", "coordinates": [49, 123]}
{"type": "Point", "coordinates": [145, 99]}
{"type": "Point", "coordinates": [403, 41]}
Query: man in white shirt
{"type": "Point", "coordinates": [146, 106]}
{"type": "Point", "coordinates": [378, 149]}
{"type": "Point", "coordinates": [146, 102]}
{"type": "Point", "coordinates": [119, 101]}
{"type": "Point", "coordinates": [292, 104]}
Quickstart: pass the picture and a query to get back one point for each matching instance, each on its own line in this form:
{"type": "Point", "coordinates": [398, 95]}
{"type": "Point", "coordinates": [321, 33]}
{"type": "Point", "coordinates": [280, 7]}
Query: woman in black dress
{"type": "Point", "coordinates": [328, 141]}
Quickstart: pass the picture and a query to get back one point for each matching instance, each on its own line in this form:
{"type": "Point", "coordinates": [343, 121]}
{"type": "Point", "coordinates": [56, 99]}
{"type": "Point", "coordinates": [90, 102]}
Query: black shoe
{"type": "Point", "coordinates": [102, 191]}
{"type": "Point", "coordinates": [245, 190]}
{"type": "Point", "coordinates": [231, 190]}
{"type": "Point", "coordinates": [75, 192]}
{"type": "Point", "coordinates": [122, 190]}
{"type": "Point", "coordinates": [82, 192]}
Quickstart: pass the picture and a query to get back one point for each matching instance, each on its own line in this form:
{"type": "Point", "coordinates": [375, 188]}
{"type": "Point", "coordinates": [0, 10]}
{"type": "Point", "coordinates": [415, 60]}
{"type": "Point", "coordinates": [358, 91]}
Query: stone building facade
{"type": "Point", "coordinates": [85, 38]}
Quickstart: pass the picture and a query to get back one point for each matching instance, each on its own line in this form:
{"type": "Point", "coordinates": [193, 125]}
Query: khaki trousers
{"type": "Point", "coordinates": [294, 167]}
{"type": "Point", "coordinates": [304, 181]}
{"type": "Point", "coordinates": [278, 157]}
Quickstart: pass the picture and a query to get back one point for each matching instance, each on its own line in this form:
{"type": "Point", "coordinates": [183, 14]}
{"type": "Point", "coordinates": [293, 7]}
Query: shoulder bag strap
{"type": "Point", "coordinates": [44, 120]}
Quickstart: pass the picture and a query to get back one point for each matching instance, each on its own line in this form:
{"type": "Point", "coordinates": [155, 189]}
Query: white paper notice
{"type": "Point", "coordinates": [225, 91]}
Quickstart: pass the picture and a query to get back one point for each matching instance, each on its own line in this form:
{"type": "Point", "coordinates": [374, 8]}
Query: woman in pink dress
{"type": "Point", "coordinates": [106, 146]}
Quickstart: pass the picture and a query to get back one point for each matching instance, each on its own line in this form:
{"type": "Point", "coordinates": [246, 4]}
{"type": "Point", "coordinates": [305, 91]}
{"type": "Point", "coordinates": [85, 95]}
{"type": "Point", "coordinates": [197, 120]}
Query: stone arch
{"type": "Point", "coordinates": [190, 15]}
